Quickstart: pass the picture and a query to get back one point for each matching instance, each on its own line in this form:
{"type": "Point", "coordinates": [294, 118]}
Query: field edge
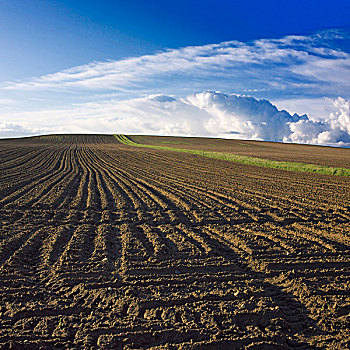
{"type": "Point", "coordinates": [267, 163]}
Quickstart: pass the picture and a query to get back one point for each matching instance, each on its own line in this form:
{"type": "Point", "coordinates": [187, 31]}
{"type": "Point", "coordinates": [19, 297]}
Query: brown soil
{"type": "Point", "coordinates": [329, 156]}
{"type": "Point", "coordinates": [104, 245]}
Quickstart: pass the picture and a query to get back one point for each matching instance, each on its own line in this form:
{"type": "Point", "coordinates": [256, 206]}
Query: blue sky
{"type": "Point", "coordinates": [39, 37]}
{"type": "Point", "coordinates": [95, 61]}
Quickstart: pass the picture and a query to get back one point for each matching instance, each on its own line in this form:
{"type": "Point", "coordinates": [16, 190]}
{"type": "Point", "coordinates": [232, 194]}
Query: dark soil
{"type": "Point", "coordinates": [104, 245]}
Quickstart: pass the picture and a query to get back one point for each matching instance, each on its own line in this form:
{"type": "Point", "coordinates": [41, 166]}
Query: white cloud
{"type": "Point", "coordinates": [333, 129]}
{"type": "Point", "coordinates": [302, 74]}
{"type": "Point", "coordinates": [243, 116]}
{"type": "Point", "coordinates": [14, 130]}
{"type": "Point", "coordinates": [293, 64]}
{"type": "Point", "coordinates": [318, 133]}
{"type": "Point", "coordinates": [341, 118]}
{"type": "Point", "coordinates": [316, 108]}
{"type": "Point", "coordinates": [6, 101]}
{"type": "Point", "coordinates": [204, 114]}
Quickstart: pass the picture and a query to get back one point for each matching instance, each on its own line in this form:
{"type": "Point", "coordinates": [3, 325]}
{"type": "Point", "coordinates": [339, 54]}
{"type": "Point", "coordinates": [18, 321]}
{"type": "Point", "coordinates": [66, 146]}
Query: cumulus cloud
{"type": "Point", "coordinates": [243, 116]}
{"type": "Point", "coordinates": [341, 118]}
{"type": "Point", "coordinates": [212, 114]}
{"type": "Point", "coordinates": [332, 130]}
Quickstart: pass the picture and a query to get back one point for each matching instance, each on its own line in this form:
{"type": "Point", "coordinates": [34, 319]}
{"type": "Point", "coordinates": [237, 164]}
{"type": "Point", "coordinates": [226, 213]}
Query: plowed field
{"type": "Point", "coordinates": [104, 245]}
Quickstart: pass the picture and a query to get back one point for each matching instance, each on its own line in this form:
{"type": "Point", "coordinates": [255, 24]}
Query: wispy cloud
{"type": "Point", "coordinates": [294, 64]}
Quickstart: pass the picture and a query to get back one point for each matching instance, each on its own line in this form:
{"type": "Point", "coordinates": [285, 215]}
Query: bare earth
{"type": "Point", "coordinates": [104, 245]}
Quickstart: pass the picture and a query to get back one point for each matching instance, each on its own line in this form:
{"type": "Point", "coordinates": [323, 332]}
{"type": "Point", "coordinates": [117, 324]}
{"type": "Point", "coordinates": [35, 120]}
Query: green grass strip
{"type": "Point", "coordinates": [267, 163]}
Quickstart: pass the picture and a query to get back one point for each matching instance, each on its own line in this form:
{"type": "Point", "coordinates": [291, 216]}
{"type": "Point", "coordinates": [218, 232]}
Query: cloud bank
{"type": "Point", "coordinates": [211, 114]}
{"type": "Point", "coordinates": [300, 74]}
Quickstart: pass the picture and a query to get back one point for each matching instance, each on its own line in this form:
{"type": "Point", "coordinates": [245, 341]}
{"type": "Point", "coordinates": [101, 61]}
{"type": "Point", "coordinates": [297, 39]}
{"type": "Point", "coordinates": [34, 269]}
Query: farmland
{"type": "Point", "coordinates": [108, 245]}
